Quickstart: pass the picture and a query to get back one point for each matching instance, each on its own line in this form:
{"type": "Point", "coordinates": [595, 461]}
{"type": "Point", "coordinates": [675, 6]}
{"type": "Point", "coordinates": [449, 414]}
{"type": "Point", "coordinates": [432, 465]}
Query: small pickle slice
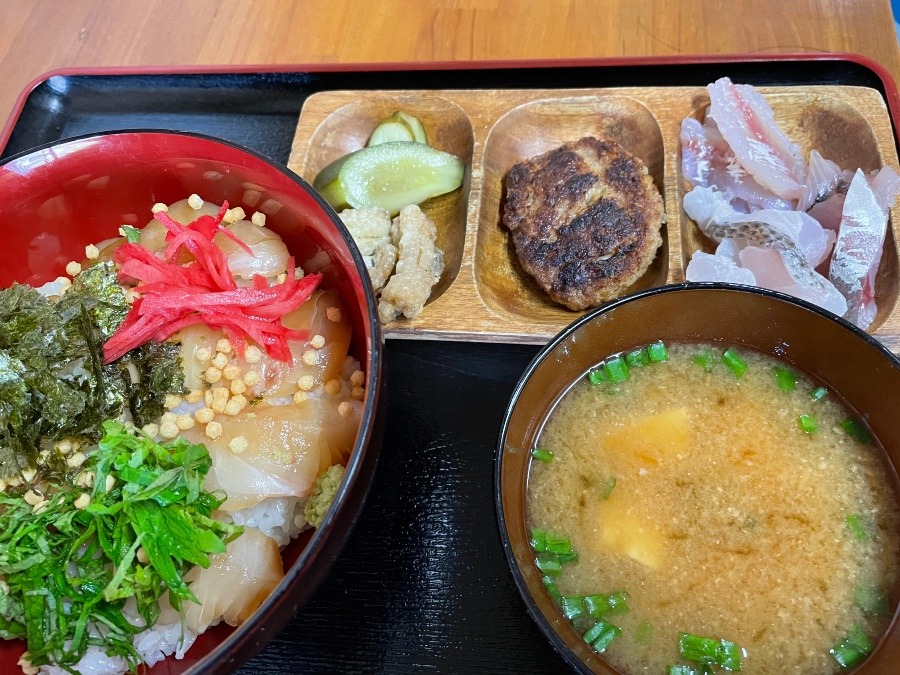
{"type": "Point", "coordinates": [388, 132]}
{"type": "Point", "coordinates": [330, 173]}
{"type": "Point", "coordinates": [412, 123]}
{"type": "Point", "coordinates": [394, 175]}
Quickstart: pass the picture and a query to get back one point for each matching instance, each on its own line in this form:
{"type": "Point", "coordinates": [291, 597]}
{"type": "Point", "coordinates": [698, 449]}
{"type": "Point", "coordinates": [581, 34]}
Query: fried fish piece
{"type": "Point", "coordinates": [585, 219]}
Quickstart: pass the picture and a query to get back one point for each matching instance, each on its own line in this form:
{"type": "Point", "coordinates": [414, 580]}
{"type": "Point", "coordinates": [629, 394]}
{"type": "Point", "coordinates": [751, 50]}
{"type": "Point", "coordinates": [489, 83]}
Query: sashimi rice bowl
{"type": "Point", "coordinates": [181, 397]}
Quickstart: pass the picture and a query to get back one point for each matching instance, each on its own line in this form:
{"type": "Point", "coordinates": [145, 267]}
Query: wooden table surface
{"type": "Point", "coordinates": [41, 35]}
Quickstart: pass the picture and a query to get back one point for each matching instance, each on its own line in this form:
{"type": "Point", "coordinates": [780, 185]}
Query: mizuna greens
{"type": "Point", "coordinates": [69, 566]}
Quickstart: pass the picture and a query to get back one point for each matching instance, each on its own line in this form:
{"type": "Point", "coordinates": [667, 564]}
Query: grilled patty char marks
{"type": "Point", "coordinates": [585, 220]}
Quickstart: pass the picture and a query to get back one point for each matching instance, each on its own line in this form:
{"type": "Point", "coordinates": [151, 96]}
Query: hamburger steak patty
{"type": "Point", "coordinates": [585, 220]}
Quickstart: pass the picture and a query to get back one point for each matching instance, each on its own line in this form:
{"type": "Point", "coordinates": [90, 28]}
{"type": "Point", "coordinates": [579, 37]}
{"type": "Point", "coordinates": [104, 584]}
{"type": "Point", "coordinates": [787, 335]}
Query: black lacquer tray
{"type": "Point", "coordinates": [423, 583]}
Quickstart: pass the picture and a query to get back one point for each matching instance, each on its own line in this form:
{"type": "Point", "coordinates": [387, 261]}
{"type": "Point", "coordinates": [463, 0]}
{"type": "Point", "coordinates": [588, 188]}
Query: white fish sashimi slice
{"type": "Point", "coordinates": [857, 253]}
{"type": "Point", "coordinates": [886, 186]}
{"type": "Point", "coordinates": [748, 124]}
{"type": "Point", "coordinates": [828, 212]}
{"type": "Point", "coordinates": [709, 207]}
{"type": "Point", "coordinates": [707, 161]}
{"type": "Point", "coordinates": [823, 178]}
{"type": "Point", "coordinates": [730, 248]}
{"type": "Point", "coordinates": [709, 267]}
{"type": "Point", "coordinates": [772, 271]}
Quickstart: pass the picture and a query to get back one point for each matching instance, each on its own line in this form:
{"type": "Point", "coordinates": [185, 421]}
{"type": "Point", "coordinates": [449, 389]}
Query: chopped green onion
{"type": "Point", "coordinates": [542, 455]}
{"type": "Point", "coordinates": [872, 600]}
{"type": "Point", "coordinates": [549, 565]}
{"type": "Point", "coordinates": [132, 234]}
{"type": "Point", "coordinates": [818, 393]}
{"type": "Point", "coordinates": [600, 635]}
{"type": "Point", "coordinates": [705, 358]}
{"type": "Point", "coordinates": [608, 486]}
{"type": "Point", "coordinates": [857, 527]}
{"type": "Point", "coordinates": [600, 605]}
{"type": "Point", "coordinates": [785, 379]}
{"type": "Point", "coordinates": [657, 352]}
{"type": "Point", "coordinates": [550, 585]}
{"type": "Point", "coordinates": [852, 648]}
{"type": "Point", "coordinates": [538, 539]}
{"type": "Point", "coordinates": [598, 376]}
{"type": "Point", "coordinates": [807, 424]}
{"type": "Point", "coordinates": [637, 358]}
{"type": "Point", "coordinates": [644, 633]}
{"type": "Point", "coordinates": [682, 670]}
{"type": "Point", "coordinates": [857, 430]}
{"type": "Point", "coordinates": [706, 650]}
{"type": "Point", "coordinates": [573, 607]}
{"type": "Point", "coordinates": [735, 363]}
{"type": "Point", "coordinates": [616, 369]}
{"type": "Point", "coordinates": [558, 544]}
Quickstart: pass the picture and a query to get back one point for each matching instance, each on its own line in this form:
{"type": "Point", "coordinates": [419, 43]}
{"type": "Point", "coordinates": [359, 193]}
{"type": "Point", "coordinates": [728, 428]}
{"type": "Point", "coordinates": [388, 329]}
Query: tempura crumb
{"type": "Point", "coordinates": [195, 202]}
{"type": "Point", "coordinates": [152, 430]}
{"type": "Point", "coordinates": [213, 375]}
{"type": "Point", "coordinates": [358, 393]}
{"type": "Point", "coordinates": [358, 378]}
{"type": "Point", "coordinates": [220, 360]}
{"type": "Point", "coordinates": [238, 386]}
{"type": "Point", "coordinates": [300, 397]}
{"type": "Point", "coordinates": [171, 401]}
{"type": "Point", "coordinates": [333, 314]}
{"type": "Point", "coordinates": [310, 358]}
{"type": "Point", "coordinates": [83, 500]}
{"type": "Point", "coordinates": [224, 346]}
{"type": "Point", "coordinates": [91, 252]}
{"type": "Point", "coordinates": [76, 460]}
{"type": "Point", "coordinates": [213, 430]}
{"type": "Point", "coordinates": [333, 387]}
{"type": "Point", "coordinates": [204, 415]}
{"type": "Point", "coordinates": [159, 206]}
{"type": "Point", "coordinates": [168, 430]}
{"type": "Point", "coordinates": [305, 382]}
{"type": "Point", "coordinates": [231, 372]}
{"type": "Point", "coordinates": [252, 354]}
{"type": "Point", "coordinates": [73, 269]}
{"type": "Point", "coordinates": [258, 218]}
{"type": "Point", "coordinates": [317, 342]}
{"type": "Point", "coordinates": [238, 444]}
{"type": "Point", "coordinates": [203, 354]}
{"type": "Point", "coordinates": [251, 378]}
{"type": "Point", "coordinates": [195, 396]}
{"type": "Point", "coordinates": [184, 422]}
{"type": "Point", "coordinates": [345, 409]}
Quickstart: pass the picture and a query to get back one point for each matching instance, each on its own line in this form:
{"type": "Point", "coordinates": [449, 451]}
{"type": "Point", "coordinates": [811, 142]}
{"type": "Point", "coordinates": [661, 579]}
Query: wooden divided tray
{"type": "Point", "coordinates": [484, 294]}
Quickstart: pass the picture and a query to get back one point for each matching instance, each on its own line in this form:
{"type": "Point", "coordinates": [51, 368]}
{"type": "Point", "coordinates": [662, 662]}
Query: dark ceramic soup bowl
{"type": "Point", "coordinates": [845, 359]}
{"type": "Point", "coordinates": [58, 198]}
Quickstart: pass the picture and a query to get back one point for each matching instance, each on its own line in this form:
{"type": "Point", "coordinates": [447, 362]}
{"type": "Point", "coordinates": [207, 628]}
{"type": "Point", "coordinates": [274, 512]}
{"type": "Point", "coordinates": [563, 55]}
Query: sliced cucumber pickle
{"type": "Point", "coordinates": [388, 132]}
{"type": "Point", "coordinates": [394, 175]}
{"type": "Point", "coordinates": [330, 173]}
{"type": "Point", "coordinates": [412, 123]}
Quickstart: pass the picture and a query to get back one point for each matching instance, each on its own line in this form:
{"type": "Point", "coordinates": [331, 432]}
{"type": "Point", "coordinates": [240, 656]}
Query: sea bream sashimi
{"type": "Point", "coordinates": [859, 244]}
{"type": "Point", "coordinates": [747, 123]}
{"type": "Point", "coordinates": [792, 236]}
{"type": "Point", "coordinates": [707, 161]}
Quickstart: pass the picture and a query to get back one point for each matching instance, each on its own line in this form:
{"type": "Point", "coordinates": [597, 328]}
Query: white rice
{"type": "Point", "coordinates": [278, 517]}
{"type": "Point", "coordinates": [161, 641]}
{"type": "Point", "coordinates": [94, 662]}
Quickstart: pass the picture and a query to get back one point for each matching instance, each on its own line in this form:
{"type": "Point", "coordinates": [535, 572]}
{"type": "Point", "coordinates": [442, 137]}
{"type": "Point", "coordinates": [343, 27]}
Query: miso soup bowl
{"type": "Point", "coordinates": [844, 358]}
{"type": "Point", "coordinates": [58, 198]}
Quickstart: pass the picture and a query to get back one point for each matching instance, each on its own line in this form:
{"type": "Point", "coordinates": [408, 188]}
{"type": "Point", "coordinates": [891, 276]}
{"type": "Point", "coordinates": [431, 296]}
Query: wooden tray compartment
{"type": "Point", "coordinates": [484, 294]}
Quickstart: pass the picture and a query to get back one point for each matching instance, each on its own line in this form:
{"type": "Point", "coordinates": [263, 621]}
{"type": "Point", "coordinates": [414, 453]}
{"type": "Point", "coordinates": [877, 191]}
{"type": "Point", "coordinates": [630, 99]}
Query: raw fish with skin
{"type": "Point", "coordinates": [711, 213]}
{"type": "Point", "coordinates": [823, 179]}
{"type": "Point", "coordinates": [747, 123]}
{"type": "Point", "coordinates": [858, 250]}
{"type": "Point", "coordinates": [707, 206]}
{"type": "Point", "coordinates": [828, 213]}
{"type": "Point", "coordinates": [768, 266]}
{"type": "Point", "coordinates": [709, 267]}
{"type": "Point", "coordinates": [708, 161]}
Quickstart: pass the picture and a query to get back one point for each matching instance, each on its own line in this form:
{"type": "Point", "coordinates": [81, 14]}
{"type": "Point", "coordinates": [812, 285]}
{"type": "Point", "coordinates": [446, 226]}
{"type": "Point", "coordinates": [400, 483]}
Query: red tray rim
{"type": "Point", "coordinates": [887, 80]}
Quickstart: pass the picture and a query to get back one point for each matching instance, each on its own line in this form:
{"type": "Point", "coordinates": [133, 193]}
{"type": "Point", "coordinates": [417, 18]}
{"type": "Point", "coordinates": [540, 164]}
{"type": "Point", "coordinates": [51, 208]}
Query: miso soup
{"type": "Point", "coordinates": [723, 496]}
